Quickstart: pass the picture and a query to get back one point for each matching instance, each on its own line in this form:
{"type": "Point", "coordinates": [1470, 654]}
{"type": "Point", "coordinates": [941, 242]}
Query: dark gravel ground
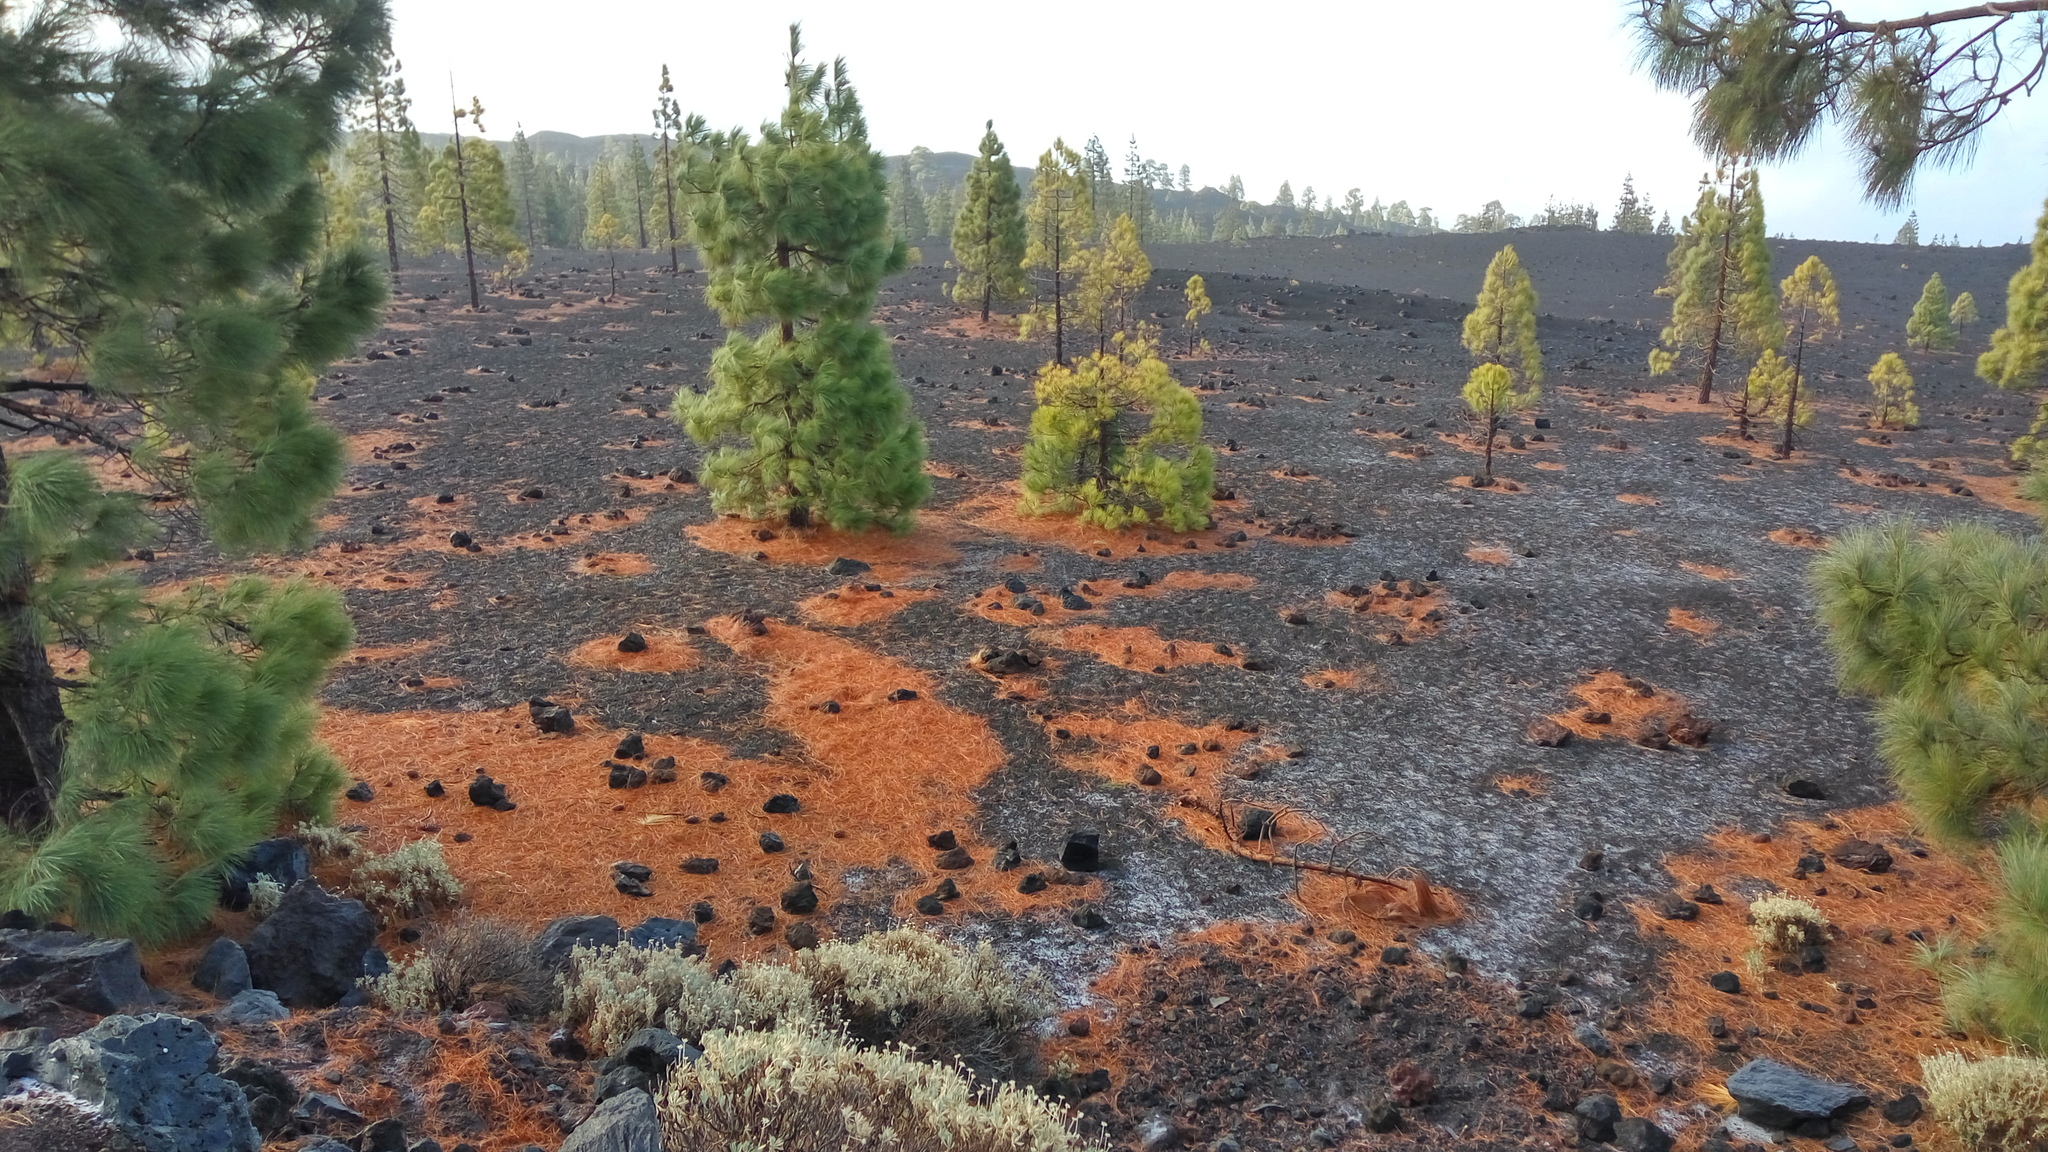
{"type": "Point", "coordinates": [1305, 331]}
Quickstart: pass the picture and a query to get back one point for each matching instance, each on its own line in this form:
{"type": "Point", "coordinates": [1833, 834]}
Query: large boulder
{"type": "Point", "coordinates": [624, 1123]}
{"type": "Point", "coordinates": [1779, 1096]}
{"type": "Point", "coordinates": [283, 860]}
{"type": "Point", "coordinates": [564, 934]}
{"type": "Point", "coordinates": [310, 951]}
{"type": "Point", "coordinates": [152, 1077]}
{"type": "Point", "coordinates": [70, 968]}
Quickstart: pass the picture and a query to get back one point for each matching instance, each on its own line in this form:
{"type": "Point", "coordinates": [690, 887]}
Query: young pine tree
{"type": "Point", "coordinates": [1060, 217]}
{"type": "Point", "coordinates": [1491, 396]}
{"type": "Point", "coordinates": [807, 419]}
{"type": "Point", "coordinates": [1891, 394]}
{"type": "Point", "coordinates": [1813, 311]}
{"type": "Point", "coordinates": [523, 176]}
{"type": "Point", "coordinates": [1197, 297]}
{"type": "Point", "coordinates": [1767, 392]}
{"type": "Point", "coordinates": [988, 236]}
{"type": "Point", "coordinates": [607, 235]}
{"type": "Point", "coordinates": [1962, 313]}
{"type": "Point", "coordinates": [160, 259]}
{"type": "Point", "coordinates": [1943, 629]}
{"type": "Point", "coordinates": [378, 151]}
{"type": "Point", "coordinates": [1929, 329]}
{"type": "Point", "coordinates": [1909, 232]}
{"type": "Point", "coordinates": [468, 203]}
{"type": "Point", "coordinates": [1111, 276]}
{"type": "Point", "coordinates": [1719, 281]}
{"type": "Point", "coordinates": [1117, 441]}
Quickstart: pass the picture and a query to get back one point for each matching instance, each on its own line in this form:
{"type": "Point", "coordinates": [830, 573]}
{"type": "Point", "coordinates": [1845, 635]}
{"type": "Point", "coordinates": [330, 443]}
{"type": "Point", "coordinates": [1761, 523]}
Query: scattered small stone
{"type": "Point", "coordinates": [1082, 853]}
{"type": "Point", "coordinates": [435, 789]}
{"type": "Point", "coordinates": [1547, 733]}
{"type": "Point", "coordinates": [1705, 894]}
{"type": "Point", "coordinates": [712, 781]}
{"type": "Point", "coordinates": [633, 747]}
{"type": "Point", "coordinates": [1394, 956]}
{"type": "Point", "coordinates": [1861, 856]}
{"type": "Point", "coordinates": [953, 860]}
{"type": "Point", "coordinates": [361, 792]}
{"type": "Point", "coordinates": [662, 771]}
{"type": "Point", "coordinates": [632, 642]}
{"type": "Point", "coordinates": [781, 804]}
{"type": "Point", "coordinates": [1727, 982]}
{"type": "Point", "coordinates": [760, 920]}
{"type": "Point", "coordinates": [700, 865]}
{"type": "Point", "coordinates": [902, 694]}
{"type": "Point", "coordinates": [930, 906]}
{"type": "Point", "coordinates": [942, 841]}
{"type": "Point", "coordinates": [771, 842]}
{"type": "Point", "coordinates": [800, 898]}
{"type": "Point", "coordinates": [1033, 882]}
{"type": "Point", "coordinates": [1804, 789]}
{"type": "Point", "coordinates": [1088, 918]}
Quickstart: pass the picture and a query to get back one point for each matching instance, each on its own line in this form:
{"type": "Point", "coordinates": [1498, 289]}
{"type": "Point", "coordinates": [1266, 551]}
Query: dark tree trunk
{"type": "Point", "coordinates": [31, 710]}
{"type": "Point", "coordinates": [1792, 396]}
{"type": "Point", "coordinates": [1720, 300]}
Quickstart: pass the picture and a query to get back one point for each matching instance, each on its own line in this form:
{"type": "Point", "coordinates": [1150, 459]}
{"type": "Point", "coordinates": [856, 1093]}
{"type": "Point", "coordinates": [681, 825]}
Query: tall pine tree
{"type": "Point", "coordinates": [988, 236]}
{"type": "Point", "coordinates": [1813, 310]}
{"type": "Point", "coordinates": [468, 203]}
{"type": "Point", "coordinates": [906, 204]}
{"type": "Point", "coordinates": [669, 125]}
{"type": "Point", "coordinates": [1720, 280]}
{"type": "Point", "coordinates": [524, 176]}
{"type": "Point", "coordinates": [385, 149]}
{"type": "Point", "coordinates": [1059, 220]}
{"type": "Point", "coordinates": [807, 419]}
{"type": "Point", "coordinates": [160, 259]}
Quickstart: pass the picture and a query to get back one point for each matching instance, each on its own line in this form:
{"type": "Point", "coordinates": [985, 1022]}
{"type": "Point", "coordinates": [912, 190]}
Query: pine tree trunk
{"type": "Point", "coordinates": [1492, 424]}
{"type": "Point", "coordinates": [1792, 396]}
{"type": "Point", "coordinates": [390, 214]}
{"type": "Point", "coordinates": [31, 710]}
{"type": "Point", "coordinates": [799, 514]}
{"type": "Point", "coordinates": [1720, 301]}
{"type": "Point", "coordinates": [462, 199]}
{"type": "Point", "coordinates": [1059, 319]}
{"type": "Point", "coordinates": [668, 182]}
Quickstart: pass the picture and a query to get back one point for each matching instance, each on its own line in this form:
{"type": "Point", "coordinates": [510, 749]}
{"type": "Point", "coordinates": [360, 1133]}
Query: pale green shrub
{"type": "Point", "coordinates": [1785, 923]}
{"type": "Point", "coordinates": [327, 842]}
{"type": "Point", "coordinates": [265, 893]}
{"type": "Point", "coordinates": [894, 987]}
{"type": "Point", "coordinates": [1998, 1104]}
{"type": "Point", "coordinates": [406, 881]}
{"type": "Point", "coordinates": [799, 1088]}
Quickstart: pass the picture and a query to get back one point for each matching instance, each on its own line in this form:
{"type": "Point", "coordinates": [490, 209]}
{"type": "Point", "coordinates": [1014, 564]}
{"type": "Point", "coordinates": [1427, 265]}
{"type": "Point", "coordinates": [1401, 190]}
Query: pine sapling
{"type": "Point", "coordinates": [1929, 328]}
{"type": "Point", "coordinates": [1891, 394]}
{"type": "Point", "coordinates": [1196, 295]}
{"type": "Point", "coordinates": [1491, 396]}
{"type": "Point", "coordinates": [1813, 310]}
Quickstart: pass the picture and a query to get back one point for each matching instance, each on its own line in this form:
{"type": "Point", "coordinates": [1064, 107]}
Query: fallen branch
{"type": "Point", "coordinates": [1419, 887]}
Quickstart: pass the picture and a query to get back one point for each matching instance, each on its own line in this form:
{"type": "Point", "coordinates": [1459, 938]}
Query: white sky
{"type": "Point", "coordinates": [1438, 104]}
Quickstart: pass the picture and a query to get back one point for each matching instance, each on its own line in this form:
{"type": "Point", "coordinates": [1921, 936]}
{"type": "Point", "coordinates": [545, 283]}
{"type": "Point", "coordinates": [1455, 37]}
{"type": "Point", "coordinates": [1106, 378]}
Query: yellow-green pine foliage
{"type": "Point", "coordinates": [637, 178]}
{"type": "Point", "coordinates": [1944, 629]}
{"type": "Point", "coordinates": [1502, 327]}
{"type": "Point", "coordinates": [1720, 281]}
{"type": "Point", "coordinates": [1768, 390]}
{"type": "Point", "coordinates": [468, 206]}
{"type": "Point", "coordinates": [600, 199]}
{"type": "Point", "coordinates": [1196, 295]}
{"type": "Point", "coordinates": [1891, 394]}
{"type": "Point", "coordinates": [1058, 222]}
{"type": "Point", "coordinates": [1963, 312]}
{"type": "Point", "coordinates": [1813, 311]}
{"type": "Point", "coordinates": [988, 236]}
{"type": "Point", "coordinates": [2020, 348]}
{"type": "Point", "coordinates": [805, 416]}
{"type": "Point", "coordinates": [607, 235]}
{"type": "Point", "coordinates": [382, 185]}
{"type": "Point", "coordinates": [1491, 395]}
{"type": "Point", "coordinates": [1929, 328]}
{"type": "Point", "coordinates": [1111, 276]}
{"type": "Point", "coordinates": [1118, 441]}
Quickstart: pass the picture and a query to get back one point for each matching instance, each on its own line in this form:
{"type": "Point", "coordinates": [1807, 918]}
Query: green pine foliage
{"type": "Point", "coordinates": [2019, 349]}
{"type": "Point", "coordinates": [1196, 296]}
{"type": "Point", "coordinates": [1891, 394]}
{"type": "Point", "coordinates": [385, 161]}
{"type": "Point", "coordinates": [1963, 312]}
{"type": "Point", "coordinates": [807, 418]}
{"type": "Point", "coordinates": [1929, 328]}
{"type": "Point", "coordinates": [1117, 441]}
{"type": "Point", "coordinates": [1111, 276]}
{"type": "Point", "coordinates": [988, 236]}
{"type": "Point", "coordinates": [1490, 395]}
{"type": "Point", "coordinates": [163, 255]}
{"type": "Point", "coordinates": [906, 204]}
{"type": "Point", "coordinates": [1944, 630]}
{"type": "Point", "coordinates": [1500, 333]}
{"type": "Point", "coordinates": [1719, 281]}
{"type": "Point", "coordinates": [467, 206]}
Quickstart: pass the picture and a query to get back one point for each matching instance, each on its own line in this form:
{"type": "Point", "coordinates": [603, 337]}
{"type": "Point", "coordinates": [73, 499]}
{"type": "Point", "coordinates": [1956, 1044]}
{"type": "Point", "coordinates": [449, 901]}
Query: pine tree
{"type": "Point", "coordinates": [161, 259]}
{"type": "Point", "coordinates": [1138, 191]}
{"type": "Point", "coordinates": [668, 123]}
{"type": "Point", "coordinates": [808, 419]}
{"type": "Point", "coordinates": [1943, 629]}
{"type": "Point", "coordinates": [1229, 223]}
{"type": "Point", "coordinates": [1059, 218]}
{"type": "Point", "coordinates": [906, 205]}
{"type": "Point", "coordinates": [1101, 180]}
{"type": "Point", "coordinates": [2019, 349]}
{"type": "Point", "coordinates": [607, 235]}
{"type": "Point", "coordinates": [1929, 329]}
{"type": "Point", "coordinates": [383, 137]}
{"type": "Point", "coordinates": [639, 187]}
{"type": "Point", "coordinates": [1814, 311]}
{"type": "Point", "coordinates": [523, 175]}
{"type": "Point", "coordinates": [468, 202]}
{"type": "Point", "coordinates": [1633, 213]}
{"type": "Point", "coordinates": [988, 237]}
{"type": "Point", "coordinates": [1197, 297]}
{"type": "Point", "coordinates": [1963, 312]}
{"type": "Point", "coordinates": [1909, 232]}
{"type": "Point", "coordinates": [1720, 280]}
{"type": "Point", "coordinates": [1109, 278]}
{"type": "Point", "coordinates": [1089, 454]}
{"type": "Point", "coordinates": [1766, 393]}
{"type": "Point", "coordinates": [1491, 395]}
{"type": "Point", "coordinates": [1891, 394]}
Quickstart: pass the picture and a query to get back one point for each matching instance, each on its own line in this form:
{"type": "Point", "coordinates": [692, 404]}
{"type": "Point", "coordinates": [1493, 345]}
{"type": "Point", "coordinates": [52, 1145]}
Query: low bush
{"type": "Point", "coordinates": [899, 987]}
{"type": "Point", "coordinates": [1998, 1104]}
{"type": "Point", "coordinates": [406, 881]}
{"type": "Point", "coordinates": [1785, 923]}
{"type": "Point", "coordinates": [472, 960]}
{"type": "Point", "coordinates": [800, 1088]}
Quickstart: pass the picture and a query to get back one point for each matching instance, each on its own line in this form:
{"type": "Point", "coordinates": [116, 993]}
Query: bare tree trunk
{"type": "Point", "coordinates": [1492, 424]}
{"type": "Point", "coordinates": [462, 198]}
{"type": "Point", "coordinates": [384, 174]}
{"type": "Point", "coordinates": [31, 709]}
{"type": "Point", "coordinates": [1720, 300]}
{"type": "Point", "coordinates": [1792, 396]}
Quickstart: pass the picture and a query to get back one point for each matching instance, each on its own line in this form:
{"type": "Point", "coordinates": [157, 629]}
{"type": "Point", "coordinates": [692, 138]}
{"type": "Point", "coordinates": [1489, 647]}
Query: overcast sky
{"type": "Point", "coordinates": [1441, 105]}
